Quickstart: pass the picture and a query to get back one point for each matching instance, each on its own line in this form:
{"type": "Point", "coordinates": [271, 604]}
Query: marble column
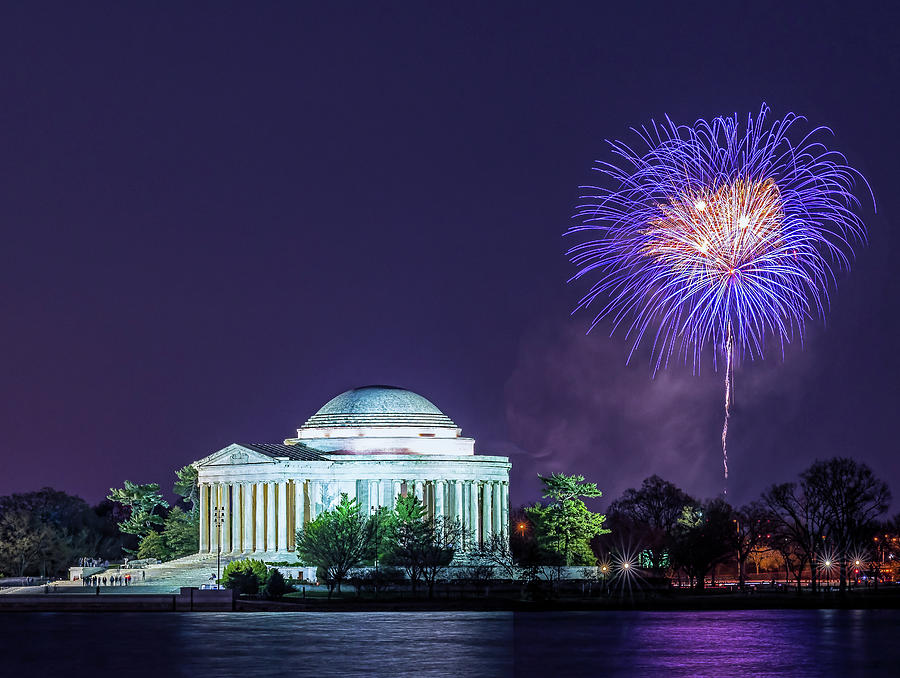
{"type": "Point", "coordinates": [282, 516]}
{"type": "Point", "coordinates": [226, 517]}
{"type": "Point", "coordinates": [473, 513]}
{"type": "Point", "coordinates": [420, 491]}
{"type": "Point", "coordinates": [504, 511]}
{"type": "Point", "coordinates": [260, 513]}
{"type": "Point", "coordinates": [235, 491]}
{"type": "Point", "coordinates": [271, 517]}
{"type": "Point", "coordinates": [214, 527]}
{"type": "Point", "coordinates": [374, 503]}
{"type": "Point", "coordinates": [458, 501]}
{"type": "Point", "coordinates": [438, 499]}
{"type": "Point", "coordinates": [496, 513]}
{"type": "Point", "coordinates": [315, 494]}
{"type": "Point", "coordinates": [299, 505]}
{"type": "Point", "coordinates": [485, 512]}
{"type": "Point", "coordinates": [247, 533]}
{"type": "Point", "coordinates": [396, 488]}
{"type": "Point", "coordinates": [204, 518]}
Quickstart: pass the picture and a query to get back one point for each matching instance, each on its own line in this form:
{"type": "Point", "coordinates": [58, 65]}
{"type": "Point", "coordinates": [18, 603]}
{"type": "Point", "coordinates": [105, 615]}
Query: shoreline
{"type": "Point", "coordinates": [202, 601]}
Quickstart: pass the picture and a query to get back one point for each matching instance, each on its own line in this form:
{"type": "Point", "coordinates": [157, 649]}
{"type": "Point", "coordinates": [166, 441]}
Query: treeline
{"type": "Point", "coordinates": [828, 524]}
{"type": "Point", "coordinates": [405, 538]}
{"type": "Point", "coordinates": [408, 544]}
{"type": "Point", "coordinates": [43, 533]}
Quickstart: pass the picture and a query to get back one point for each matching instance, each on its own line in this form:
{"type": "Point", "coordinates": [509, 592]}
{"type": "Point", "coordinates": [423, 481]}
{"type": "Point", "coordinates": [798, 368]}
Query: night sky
{"type": "Point", "coordinates": [217, 216]}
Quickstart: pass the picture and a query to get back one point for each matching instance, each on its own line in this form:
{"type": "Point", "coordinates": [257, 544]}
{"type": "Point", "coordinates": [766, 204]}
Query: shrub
{"type": "Point", "coordinates": [384, 579]}
{"type": "Point", "coordinates": [275, 585]}
{"type": "Point", "coordinates": [245, 576]}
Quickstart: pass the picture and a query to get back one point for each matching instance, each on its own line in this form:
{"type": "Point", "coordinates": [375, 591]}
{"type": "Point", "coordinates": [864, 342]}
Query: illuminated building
{"type": "Point", "coordinates": [373, 443]}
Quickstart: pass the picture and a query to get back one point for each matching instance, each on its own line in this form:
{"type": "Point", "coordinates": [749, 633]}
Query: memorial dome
{"type": "Point", "coordinates": [377, 407]}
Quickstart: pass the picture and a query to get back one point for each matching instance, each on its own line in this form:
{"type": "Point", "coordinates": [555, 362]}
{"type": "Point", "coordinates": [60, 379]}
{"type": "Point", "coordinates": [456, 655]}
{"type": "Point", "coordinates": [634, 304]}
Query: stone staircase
{"type": "Point", "coordinates": [169, 577]}
{"type": "Point", "coordinates": [193, 570]}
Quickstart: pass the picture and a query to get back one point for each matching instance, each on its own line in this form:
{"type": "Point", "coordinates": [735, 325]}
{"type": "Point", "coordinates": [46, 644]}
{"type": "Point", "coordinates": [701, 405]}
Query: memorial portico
{"type": "Point", "coordinates": [373, 443]}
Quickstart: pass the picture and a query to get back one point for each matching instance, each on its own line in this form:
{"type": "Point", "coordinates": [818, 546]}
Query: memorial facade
{"type": "Point", "coordinates": [373, 443]}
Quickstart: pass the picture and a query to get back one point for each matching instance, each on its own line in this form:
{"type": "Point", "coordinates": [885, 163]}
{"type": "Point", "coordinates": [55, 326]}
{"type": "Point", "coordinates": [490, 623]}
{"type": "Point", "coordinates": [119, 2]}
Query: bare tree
{"type": "Point", "coordinates": [797, 516]}
{"type": "Point", "coordinates": [650, 515]}
{"type": "Point", "coordinates": [852, 499]}
{"type": "Point", "coordinates": [752, 525]}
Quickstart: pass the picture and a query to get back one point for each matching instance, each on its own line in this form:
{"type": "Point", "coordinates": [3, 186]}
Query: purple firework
{"type": "Point", "coordinates": [716, 234]}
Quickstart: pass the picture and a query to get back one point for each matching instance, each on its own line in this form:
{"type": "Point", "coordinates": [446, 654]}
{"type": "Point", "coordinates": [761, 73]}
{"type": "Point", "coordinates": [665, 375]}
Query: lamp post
{"type": "Point", "coordinates": [374, 511]}
{"type": "Point", "coordinates": [219, 518]}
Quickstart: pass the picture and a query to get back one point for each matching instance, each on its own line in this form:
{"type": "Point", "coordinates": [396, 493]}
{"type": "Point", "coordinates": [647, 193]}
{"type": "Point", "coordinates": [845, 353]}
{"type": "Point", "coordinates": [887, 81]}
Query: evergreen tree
{"type": "Point", "coordinates": [565, 526]}
{"type": "Point", "coordinates": [336, 541]}
{"type": "Point", "coordinates": [187, 487]}
{"type": "Point", "coordinates": [143, 502]}
{"type": "Point", "coordinates": [181, 532]}
{"type": "Point", "coordinates": [422, 546]}
{"type": "Point", "coordinates": [153, 545]}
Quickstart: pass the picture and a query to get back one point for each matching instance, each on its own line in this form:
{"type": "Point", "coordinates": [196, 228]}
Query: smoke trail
{"type": "Point", "coordinates": [729, 386]}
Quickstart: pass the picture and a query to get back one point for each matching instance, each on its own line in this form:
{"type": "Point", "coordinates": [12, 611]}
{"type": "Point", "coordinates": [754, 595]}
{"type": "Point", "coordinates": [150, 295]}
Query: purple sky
{"type": "Point", "coordinates": [218, 216]}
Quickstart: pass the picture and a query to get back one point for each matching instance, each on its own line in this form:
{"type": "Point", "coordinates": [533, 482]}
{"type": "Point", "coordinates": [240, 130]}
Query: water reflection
{"type": "Point", "coordinates": [739, 643]}
{"type": "Point", "coordinates": [736, 643]}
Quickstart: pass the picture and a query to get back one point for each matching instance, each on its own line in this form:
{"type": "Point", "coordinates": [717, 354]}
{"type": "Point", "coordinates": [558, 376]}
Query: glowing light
{"type": "Point", "coordinates": [716, 234]}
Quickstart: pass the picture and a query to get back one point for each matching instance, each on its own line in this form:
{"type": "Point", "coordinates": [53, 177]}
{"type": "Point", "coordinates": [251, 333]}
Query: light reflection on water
{"type": "Point", "coordinates": [737, 643]}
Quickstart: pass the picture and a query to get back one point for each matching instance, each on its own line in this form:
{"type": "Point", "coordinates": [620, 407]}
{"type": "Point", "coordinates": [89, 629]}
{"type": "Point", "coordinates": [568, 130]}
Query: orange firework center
{"type": "Point", "coordinates": [718, 233]}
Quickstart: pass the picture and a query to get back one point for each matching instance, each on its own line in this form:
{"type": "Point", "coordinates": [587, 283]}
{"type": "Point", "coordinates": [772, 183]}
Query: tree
{"type": "Point", "coordinates": [765, 557]}
{"type": "Point", "coordinates": [496, 553]}
{"type": "Point", "coordinates": [77, 529]}
{"type": "Point", "coordinates": [27, 542]}
{"type": "Point", "coordinates": [336, 541]}
{"type": "Point", "coordinates": [565, 527]}
{"type": "Point", "coordinates": [181, 532]}
{"type": "Point", "coordinates": [701, 539]}
{"type": "Point", "coordinates": [752, 526]}
{"type": "Point", "coordinates": [797, 516]}
{"type": "Point", "coordinates": [421, 545]}
{"type": "Point", "coordinates": [275, 586]}
{"type": "Point", "coordinates": [153, 545]}
{"type": "Point", "coordinates": [186, 486]}
{"type": "Point", "coordinates": [143, 502]}
{"type": "Point", "coordinates": [852, 498]}
{"type": "Point", "coordinates": [650, 515]}
{"type": "Point", "coordinates": [793, 557]}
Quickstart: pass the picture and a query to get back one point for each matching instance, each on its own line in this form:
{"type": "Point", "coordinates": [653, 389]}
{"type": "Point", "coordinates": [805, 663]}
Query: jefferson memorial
{"type": "Point", "coordinates": [373, 443]}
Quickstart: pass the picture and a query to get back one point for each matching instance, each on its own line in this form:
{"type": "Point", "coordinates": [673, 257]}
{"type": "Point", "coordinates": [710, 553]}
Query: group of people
{"type": "Point", "coordinates": [87, 561]}
{"type": "Point", "coordinates": [110, 579]}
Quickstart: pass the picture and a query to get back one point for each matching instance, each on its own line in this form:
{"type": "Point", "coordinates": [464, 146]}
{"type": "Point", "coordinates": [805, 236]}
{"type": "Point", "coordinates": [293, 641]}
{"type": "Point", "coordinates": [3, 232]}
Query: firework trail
{"type": "Point", "coordinates": [718, 234]}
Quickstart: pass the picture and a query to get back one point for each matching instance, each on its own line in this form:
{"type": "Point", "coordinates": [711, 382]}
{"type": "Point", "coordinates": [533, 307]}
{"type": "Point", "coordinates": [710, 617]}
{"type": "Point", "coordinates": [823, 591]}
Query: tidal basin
{"type": "Point", "coordinates": [733, 643]}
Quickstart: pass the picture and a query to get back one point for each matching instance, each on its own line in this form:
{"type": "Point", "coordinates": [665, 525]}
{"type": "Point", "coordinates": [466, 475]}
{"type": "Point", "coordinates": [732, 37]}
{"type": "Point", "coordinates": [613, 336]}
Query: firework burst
{"type": "Point", "coordinates": [717, 234]}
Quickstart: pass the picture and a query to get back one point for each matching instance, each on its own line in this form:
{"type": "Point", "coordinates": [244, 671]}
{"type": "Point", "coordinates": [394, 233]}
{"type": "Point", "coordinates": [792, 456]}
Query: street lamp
{"type": "Point", "coordinates": [374, 510]}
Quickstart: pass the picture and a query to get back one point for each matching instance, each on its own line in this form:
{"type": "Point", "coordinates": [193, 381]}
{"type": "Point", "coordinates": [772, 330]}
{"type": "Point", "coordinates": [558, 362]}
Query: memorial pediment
{"type": "Point", "coordinates": [235, 455]}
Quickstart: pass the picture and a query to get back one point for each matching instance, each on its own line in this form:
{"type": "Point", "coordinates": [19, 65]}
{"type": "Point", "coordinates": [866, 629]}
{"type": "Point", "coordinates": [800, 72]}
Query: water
{"type": "Point", "coordinates": [737, 643]}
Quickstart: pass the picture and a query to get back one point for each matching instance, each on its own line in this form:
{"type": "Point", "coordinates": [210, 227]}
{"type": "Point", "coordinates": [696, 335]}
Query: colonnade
{"type": "Point", "coordinates": [248, 516]}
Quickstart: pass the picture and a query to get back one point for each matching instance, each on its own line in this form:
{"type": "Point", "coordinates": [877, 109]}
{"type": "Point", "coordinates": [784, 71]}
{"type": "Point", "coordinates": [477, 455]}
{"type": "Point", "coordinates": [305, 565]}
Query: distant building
{"type": "Point", "coordinates": [374, 443]}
